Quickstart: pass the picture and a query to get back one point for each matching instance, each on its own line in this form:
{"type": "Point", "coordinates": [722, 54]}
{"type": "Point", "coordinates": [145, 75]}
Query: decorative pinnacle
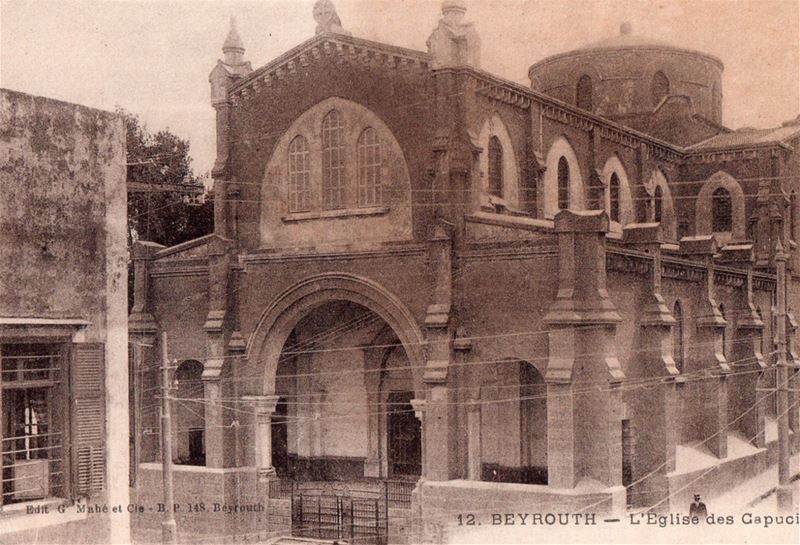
{"type": "Point", "coordinates": [780, 253]}
{"type": "Point", "coordinates": [233, 42]}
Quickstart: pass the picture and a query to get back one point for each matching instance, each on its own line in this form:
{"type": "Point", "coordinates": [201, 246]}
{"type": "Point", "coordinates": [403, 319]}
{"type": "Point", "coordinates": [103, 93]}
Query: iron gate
{"type": "Point", "coordinates": [333, 515]}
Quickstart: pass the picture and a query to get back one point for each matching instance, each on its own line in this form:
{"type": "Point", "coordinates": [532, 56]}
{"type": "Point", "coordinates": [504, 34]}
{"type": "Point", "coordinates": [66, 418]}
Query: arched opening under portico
{"type": "Point", "coordinates": [345, 387]}
{"type": "Point", "coordinates": [341, 360]}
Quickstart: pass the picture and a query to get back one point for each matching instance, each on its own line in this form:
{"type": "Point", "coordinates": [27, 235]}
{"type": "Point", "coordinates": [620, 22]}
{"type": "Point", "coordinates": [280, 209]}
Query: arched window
{"type": "Point", "coordinates": [724, 332]}
{"type": "Point", "coordinates": [658, 204]}
{"type": "Point", "coordinates": [583, 93]}
{"type": "Point", "coordinates": [721, 210]}
{"type": "Point", "coordinates": [333, 178]}
{"type": "Point", "coordinates": [495, 167]}
{"type": "Point", "coordinates": [613, 192]}
{"type": "Point", "coordinates": [677, 336]}
{"type": "Point", "coordinates": [659, 87]}
{"type": "Point", "coordinates": [299, 175]}
{"type": "Point", "coordinates": [369, 168]}
{"type": "Point", "coordinates": [563, 184]}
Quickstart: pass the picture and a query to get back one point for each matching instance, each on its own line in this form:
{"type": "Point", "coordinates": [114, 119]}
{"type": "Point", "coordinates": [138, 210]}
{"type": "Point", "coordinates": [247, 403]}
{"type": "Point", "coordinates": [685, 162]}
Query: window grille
{"type": "Point", "coordinates": [721, 210]}
{"type": "Point", "coordinates": [299, 175]}
{"type": "Point", "coordinates": [495, 167]}
{"type": "Point", "coordinates": [31, 444]}
{"type": "Point", "coordinates": [563, 184]}
{"type": "Point", "coordinates": [614, 197]}
{"type": "Point", "coordinates": [658, 205]}
{"type": "Point", "coordinates": [369, 168]}
{"type": "Point", "coordinates": [333, 176]}
{"type": "Point", "coordinates": [677, 336]}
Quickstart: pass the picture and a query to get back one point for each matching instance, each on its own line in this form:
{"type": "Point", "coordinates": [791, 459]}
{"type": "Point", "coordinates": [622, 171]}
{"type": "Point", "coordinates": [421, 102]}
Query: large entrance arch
{"type": "Point", "coordinates": [278, 320]}
{"type": "Point", "coordinates": [340, 358]}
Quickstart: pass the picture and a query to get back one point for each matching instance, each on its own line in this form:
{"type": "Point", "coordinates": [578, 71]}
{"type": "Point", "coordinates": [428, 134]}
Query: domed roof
{"type": "Point", "coordinates": [626, 40]}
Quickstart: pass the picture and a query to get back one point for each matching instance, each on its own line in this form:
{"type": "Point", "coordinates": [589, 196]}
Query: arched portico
{"type": "Point", "coordinates": [347, 416]}
{"type": "Point", "coordinates": [276, 323]}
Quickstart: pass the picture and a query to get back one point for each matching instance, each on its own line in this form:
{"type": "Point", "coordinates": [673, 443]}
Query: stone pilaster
{"type": "Point", "coordinates": [706, 411]}
{"type": "Point", "coordinates": [215, 329]}
{"type": "Point", "coordinates": [654, 417]}
{"type": "Point", "coordinates": [584, 408]}
{"type": "Point", "coordinates": [419, 406]}
{"type": "Point", "coordinates": [746, 404]}
{"type": "Point", "coordinates": [141, 321]}
{"type": "Point", "coordinates": [439, 424]}
{"type": "Point", "coordinates": [263, 408]}
{"type": "Point", "coordinates": [474, 440]}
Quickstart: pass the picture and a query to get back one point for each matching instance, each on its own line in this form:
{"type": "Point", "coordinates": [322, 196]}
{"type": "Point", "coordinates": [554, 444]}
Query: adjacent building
{"type": "Point", "coordinates": [63, 327]}
{"type": "Point", "coordinates": [432, 291]}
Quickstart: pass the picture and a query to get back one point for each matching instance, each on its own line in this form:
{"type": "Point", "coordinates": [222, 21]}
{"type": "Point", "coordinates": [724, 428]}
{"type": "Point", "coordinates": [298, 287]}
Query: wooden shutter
{"type": "Point", "coordinates": [88, 419]}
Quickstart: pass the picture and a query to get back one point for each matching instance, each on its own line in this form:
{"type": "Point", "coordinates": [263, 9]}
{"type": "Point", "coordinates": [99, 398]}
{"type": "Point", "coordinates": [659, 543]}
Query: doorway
{"type": "Point", "coordinates": [404, 436]}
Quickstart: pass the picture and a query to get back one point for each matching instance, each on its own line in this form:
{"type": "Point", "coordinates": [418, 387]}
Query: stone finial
{"type": "Point", "coordinates": [233, 46]}
{"type": "Point", "coordinates": [453, 42]}
{"type": "Point", "coordinates": [327, 19]}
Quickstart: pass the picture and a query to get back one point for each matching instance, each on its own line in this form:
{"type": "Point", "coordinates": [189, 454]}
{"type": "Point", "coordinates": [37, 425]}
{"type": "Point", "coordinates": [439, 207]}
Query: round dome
{"type": "Point", "coordinates": [629, 76]}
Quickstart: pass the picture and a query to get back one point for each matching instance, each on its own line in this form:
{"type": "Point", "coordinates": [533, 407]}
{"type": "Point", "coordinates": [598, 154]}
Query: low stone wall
{"type": "Point", "coordinates": [224, 505]}
{"type": "Point", "coordinates": [439, 507]}
{"type": "Point", "coordinates": [714, 481]}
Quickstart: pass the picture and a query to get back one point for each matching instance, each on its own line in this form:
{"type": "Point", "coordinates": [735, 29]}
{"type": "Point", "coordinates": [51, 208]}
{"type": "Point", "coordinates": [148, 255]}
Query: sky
{"type": "Point", "coordinates": [153, 57]}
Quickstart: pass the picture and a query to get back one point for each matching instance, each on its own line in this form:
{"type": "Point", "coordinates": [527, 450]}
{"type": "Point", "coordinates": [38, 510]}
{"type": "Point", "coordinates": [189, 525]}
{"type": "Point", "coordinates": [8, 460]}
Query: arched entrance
{"type": "Point", "coordinates": [343, 359]}
{"type": "Point", "coordinates": [514, 424]}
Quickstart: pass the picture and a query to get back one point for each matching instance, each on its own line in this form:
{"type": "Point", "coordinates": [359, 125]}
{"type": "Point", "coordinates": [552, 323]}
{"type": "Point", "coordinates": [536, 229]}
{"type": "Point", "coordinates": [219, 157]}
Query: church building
{"type": "Point", "coordinates": [432, 291]}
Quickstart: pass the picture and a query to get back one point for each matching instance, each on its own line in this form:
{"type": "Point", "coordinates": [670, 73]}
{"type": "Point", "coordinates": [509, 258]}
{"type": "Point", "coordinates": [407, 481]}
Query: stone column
{"type": "Point", "coordinates": [707, 412]}
{"type": "Point", "coordinates": [419, 411]}
{"type": "Point", "coordinates": [263, 409]}
{"type": "Point", "coordinates": [583, 424]}
{"type": "Point", "coordinates": [474, 440]}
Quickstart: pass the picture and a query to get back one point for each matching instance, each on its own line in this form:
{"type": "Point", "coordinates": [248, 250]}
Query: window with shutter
{"type": "Point", "coordinates": [32, 430]}
{"type": "Point", "coordinates": [88, 418]}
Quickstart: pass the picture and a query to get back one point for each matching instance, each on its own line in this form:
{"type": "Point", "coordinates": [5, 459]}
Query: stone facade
{"type": "Point", "coordinates": [63, 327]}
{"type": "Point", "coordinates": [568, 305]}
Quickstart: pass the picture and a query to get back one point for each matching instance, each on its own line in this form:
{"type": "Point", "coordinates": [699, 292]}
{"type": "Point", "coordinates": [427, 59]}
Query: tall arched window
{"type": "Point", "coordinates": [677, 336]}
{"type": "Point", "coordinates": [659, 87]}
{"type": "Point", "coordinates": [721, 210]}
{"type": "Point", "coordinates": [583, 93]}
{"type": "Point", "coordinates": [563, 184]}
{"type": "Point", "coordinates": [724, 332]}
{"type": "Point", "coordinates": [658, 204]}
{"type": "Point", "coordinates": [333, 178]}
{"type": "Point", "coordinates": [299, 175]}
{"type": "Point", "coordinates": [613, 193]}
{"type": "Point", "coordinates": [369, 168]}
{"type": "Point", "coordinates": [495, 167]}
